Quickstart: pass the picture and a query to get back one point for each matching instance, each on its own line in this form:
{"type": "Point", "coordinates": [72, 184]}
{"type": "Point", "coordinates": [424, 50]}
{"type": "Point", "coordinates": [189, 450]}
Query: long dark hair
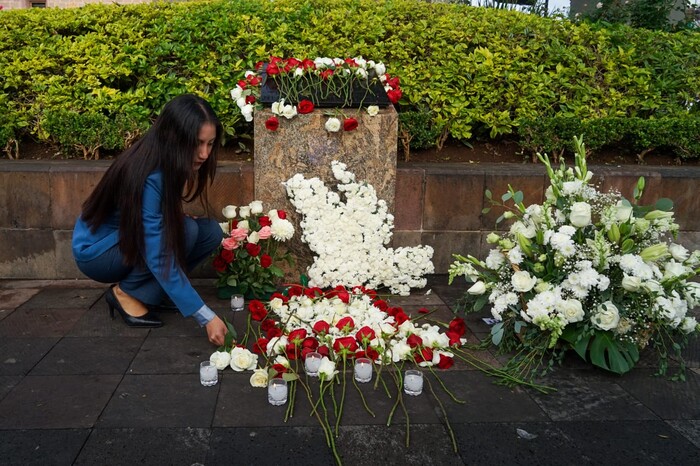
{"type": "Point", "coordinates": [170, 146]}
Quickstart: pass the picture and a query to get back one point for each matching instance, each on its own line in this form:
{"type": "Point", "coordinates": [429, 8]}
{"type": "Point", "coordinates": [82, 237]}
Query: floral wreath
{"type": "Point", "coordinates": [322, 75]}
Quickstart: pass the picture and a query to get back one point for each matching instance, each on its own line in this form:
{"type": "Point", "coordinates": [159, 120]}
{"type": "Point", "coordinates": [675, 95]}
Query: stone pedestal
{"type": "Point", "coordinates": [302, 145]}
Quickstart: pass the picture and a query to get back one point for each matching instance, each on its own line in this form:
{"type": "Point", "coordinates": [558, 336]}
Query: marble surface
{"type": "Point", "coordinates": [302, 145]}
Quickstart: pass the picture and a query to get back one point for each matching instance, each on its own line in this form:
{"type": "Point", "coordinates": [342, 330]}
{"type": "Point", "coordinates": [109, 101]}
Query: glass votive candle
{"type": "Point", "coordinates": [413, 382]}
{"type": "Point", "coordinates": [363, 369]}
{"type": "Point", "coordinates": [208, 374]}
{"type": "Point", "coordinates": [312, 363]}
{"type": "Point", "coordinates": [237, 302]}
{"type": "Point", "coordinates": [277, 392]}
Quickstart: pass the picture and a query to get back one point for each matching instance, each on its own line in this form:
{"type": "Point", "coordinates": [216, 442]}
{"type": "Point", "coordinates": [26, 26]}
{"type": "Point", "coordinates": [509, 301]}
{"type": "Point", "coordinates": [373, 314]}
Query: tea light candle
{"type": "Point", "coordinates": [413, 382]}
{"type": "Point", "coordinates": [208, 374]}
{"type": "Point", "coordinates": [277, 392]}
{"type": "Point", "coordinates": [363, 370]}
{"type": "Point", "coordinates": [312, 363]}
{"type": "Point", "coordinates": [237, 302]}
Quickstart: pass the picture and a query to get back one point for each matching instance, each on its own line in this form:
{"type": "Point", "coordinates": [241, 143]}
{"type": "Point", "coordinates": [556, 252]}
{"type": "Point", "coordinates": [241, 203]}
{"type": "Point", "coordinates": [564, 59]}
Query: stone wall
{"type": "Point", "coordinates": [435, 204]}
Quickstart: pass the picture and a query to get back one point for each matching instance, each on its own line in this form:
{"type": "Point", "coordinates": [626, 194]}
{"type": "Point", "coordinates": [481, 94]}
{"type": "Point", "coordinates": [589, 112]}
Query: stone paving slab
{"type": "Point", "coordinates": [56, 402]}
{"type": "Point", "coordinates": [158, 446]}
{"type": "Point", "coordinates": [19, 355]}
{"type": "Point", "coordinates": [63, 298]}
{"type": "Point", "coordinates": [689, 430]}
{"type": "Point", "coordinates": [667, 399]}
{"type": "Point", "coordinates": [7, 383]}
{"type": "Point", "coordinates": [41, 447]}
{"type": "Point", "coordinates": [13, 298]}
{"type": "Point", "coordinates": [89, 355]}
{"type": "Point", "coordinates": [40, 322]}
{"type": "Point", "coordinates": [151, 401]}
{"type": "Point", "coordinates": [171, 355]}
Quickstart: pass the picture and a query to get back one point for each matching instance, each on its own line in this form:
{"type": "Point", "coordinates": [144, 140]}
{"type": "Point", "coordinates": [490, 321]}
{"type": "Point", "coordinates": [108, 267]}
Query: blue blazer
{"type": "Point", "coordinates": [88, 246]}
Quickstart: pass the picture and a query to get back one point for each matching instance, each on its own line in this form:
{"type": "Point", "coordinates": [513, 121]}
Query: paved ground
{"type": "Point", "coordinates": [79, 388]}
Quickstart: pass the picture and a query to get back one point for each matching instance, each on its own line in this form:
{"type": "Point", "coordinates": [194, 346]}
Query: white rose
{"type": "Point", "coordinates": [373, 110]}
{"type": "Point", "coordinates": [243, 224]}
{"type": "Point", "coordinates": [622, 211]}
{"type": "Point", "coordinates": [333, 125]}
{"type": "Point", "coordinates": [477, 288]}
{"type": "Point", "coordinates": [674, 269]}
{"type": "Point", "coordinates": [244, 213]}
{"type": "Point", "coordinates": [688, 324]}
{"type": "Point", "coordinates": [326, 370]}
{"type": "Point", "coordinates": [229, 211]}
{"type": "Point", "coordinates": [220, 359]}
{"type": "Point", "coordinates": [606, 317]}
{"type": "Point", "coordinates": [572, 310]}
{"type": "Point", "coordinates": [277, 107]}
{"type": "Point", "coordinates": [225, 227]}
{"type": "Point", "coordinates": [236, 93]}
{"type": "Point", "coordinates": [247, 112]}
{"type": "Point", "coordinates": [380, 69]}
{"type": "Point", "coordinates": [254, 237]}
{"type": "Point", "coordinates": [580, 215]}
{"type": "Point", "coordinates": [256, 207]}
{"type": "Point", "coordinates": [678, 252]}
{"type": "Point", "coordinates": [522, 281]}
{"type": "Point", "coordinates": [289, 111]}
{"type": "Point", "coordinates": [631, 283]}
{"type": "Point", "coordinates": [259, 378]}
{"type": "Point", "coordinates": [243, 360]}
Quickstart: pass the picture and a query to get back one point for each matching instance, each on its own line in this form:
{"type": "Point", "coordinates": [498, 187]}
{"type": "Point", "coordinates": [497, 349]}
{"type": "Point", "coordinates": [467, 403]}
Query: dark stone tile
{"type": "Point", "coordinates": [417, 298]}
{"type": "Point", "coordinates": [41, 447]}
{"type": "Point", "coordinates": [539, 443]}
{"type": "Point", "coordinates": [64, 298]}
{"type": "Point", "coordinates": [55, 402]}
{"type": "Point", "coordinates": [19, 355]}
{"type": "Point", "coordinates": [689, 430]}
{"type": "Point", "coordinates": [145, 446]}
{"type": "Point", "coordinates": [171, 355]}
{"type": "Point", "coordinates": [13, 298]}
{"type": "Point", "coordinates": [7, 383]}
{"type": "Point", "coordinates": [428, 445]}
{"type": "Point", "coordinates": [630, 442]}
{"type": "Point", "coordinates": [667, 399]}
{"type": "Point", "coordinates": [44, 322]}
{"type": "Point", "coordinates": [176, 325]}
{"type": "Point", "coordinates": [160, 401]}
{"type": "Point", "coordinates": [268, 445]}
{"type": "Point", "coordinates": [97, 323]}
{"type": "Point", "coordinates": [485, 400]}
{"type": "Point", "coordinates": [581, 396]}
{"type": "Point", "coordinates": [89, 355]}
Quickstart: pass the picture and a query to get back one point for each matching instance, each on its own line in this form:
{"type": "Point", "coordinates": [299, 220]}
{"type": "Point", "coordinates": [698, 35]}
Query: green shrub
{"type": "Point", "coordinates": [418, 131]}
{"type": "Point", "coordinates": [478, 72]}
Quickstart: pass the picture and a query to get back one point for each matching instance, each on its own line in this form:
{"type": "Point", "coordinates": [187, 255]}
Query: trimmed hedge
{"type": "Point", "coordinates": [477, 71]}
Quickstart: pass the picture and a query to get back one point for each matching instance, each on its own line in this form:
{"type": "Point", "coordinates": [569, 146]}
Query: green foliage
{"type": "Point", "coordinates": [417, 130]}
{"type": "Point", "coordinates": [477, 71]}
{"type": "Point", "coordinates": [555, 135]}
{"type": "Point", "coordinates": [601, 349]}
{"type": "Point", "coordinates": [649, 14]}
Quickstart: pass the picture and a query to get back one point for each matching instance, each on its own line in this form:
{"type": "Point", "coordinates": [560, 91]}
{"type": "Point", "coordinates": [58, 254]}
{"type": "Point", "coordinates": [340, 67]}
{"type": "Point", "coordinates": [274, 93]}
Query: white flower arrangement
{"type": "Point", "coordinates": [588, 271]}
{"type": "Point", "coordinates": [349, 236]}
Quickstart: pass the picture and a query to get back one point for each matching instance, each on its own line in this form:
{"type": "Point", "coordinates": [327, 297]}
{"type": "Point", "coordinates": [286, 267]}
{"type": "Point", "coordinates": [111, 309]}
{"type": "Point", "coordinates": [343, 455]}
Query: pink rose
{"type": "Point", "coordinates": [265, 232]}
{"type": "Point", "coordinates": [239, 234]}
{"type": "Point", "coordinates": [230, 244]}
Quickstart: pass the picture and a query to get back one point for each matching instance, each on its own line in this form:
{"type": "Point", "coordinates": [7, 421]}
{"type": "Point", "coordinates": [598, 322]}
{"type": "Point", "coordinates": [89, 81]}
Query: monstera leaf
{"type": "Point", "coordinates": [602, 350]}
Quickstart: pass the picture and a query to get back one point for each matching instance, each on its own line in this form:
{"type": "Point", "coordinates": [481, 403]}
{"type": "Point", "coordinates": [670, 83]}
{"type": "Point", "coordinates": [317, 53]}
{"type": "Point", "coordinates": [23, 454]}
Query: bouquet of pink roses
{"type": "Point", "coordinates": [246, 262]}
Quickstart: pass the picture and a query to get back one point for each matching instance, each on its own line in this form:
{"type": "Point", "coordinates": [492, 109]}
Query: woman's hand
{"type": "Point", "coordinates": [216, 330]}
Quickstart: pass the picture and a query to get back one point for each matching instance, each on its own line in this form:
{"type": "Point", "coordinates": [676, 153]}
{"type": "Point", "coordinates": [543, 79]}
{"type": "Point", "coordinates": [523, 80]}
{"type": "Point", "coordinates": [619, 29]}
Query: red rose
{"type": "Point", "coordinates": [351, 61]}
{"type": "Point", "coordinates": [280, 296]}
{"type": "Point", "coordinates": [253, 80]}
{"type": "Point", "coordinates": [265, 261]}
{"type": "Point", "coordinates": [324, 351]}
{"type": "Point", "coordinates": [341, 293]}
{"type": "Point", "coordinates": [253, 249]}
{"type": "Point", "coordinates": [454, 338]}
{"type": "Point", "coordinates": [425, 354]}
{"type": "Point", "coordinates": [365, 335]}
{"type": "Point", "coordinates": [346, 324]}
{"type": "Point", "coordinates": [457, 325]}
{"type": "Point", "coordinates": [260, 346]}
{"type": "Point", "coordinates": [296, 336]}
{"type": "Point", "coordinates": [257, 310]}
{"type": "Point", "coordinates": [400, 317]}
{"type": "Point", "coordinates": [345, 345]}
{"type": "Point", "coordinates": [372, 353]}
{"type": "Point", "coordinates": [272, 123]}
{"type": "Point", "coordinates": [280, 369]}
{"type": "Point", "coordinates": [305, 106]}
{"type": "Point", "coordinates": [219, 263]}
{"type": "Point", "coordinates": [259, 65]}
{"type": "Point", "coordinates": [325, 74]}
{"type": "Point", "coordinates": [274, 332]}
{"type": "Point", "coordinates": [310, 343]}
{"type": "Point", "coordinates": [265, 221]}
{"type": "Point", "coordinates": [350, 124]}
{"type": "Point", "coordinates": [381, 305]}
{"type": "Point", "coordinates": [414, 341]}
{"type": "Point", "coordinates": [445, 362]}
{"type": "Point", "coordinates": [295, 290]}
{"type": "Point", "coordinates": [227, 255]}
{"type": "Point", "coordinates": [321, 327]}
{"type": "Point", "coordinates": [424, 310]}
{"type": "Point", "coordinates": [267, 324]}
{"type": "Point", "coordinates": [272, 69]}
{"type": "Point", "coordinates": [394, 95]}
{"type": "Point", "coordinates": [393, 82]}
{"type": "Point", "coordinates": [250, 99]}
{"type": "Point", "coordinates": [291, 351]}
{"type": "Point", "coordinates": [281, 214]}
{"type": "Point", "coordinates": [242, 84]}
{"type": "Point", "coordinates": [308, 64]}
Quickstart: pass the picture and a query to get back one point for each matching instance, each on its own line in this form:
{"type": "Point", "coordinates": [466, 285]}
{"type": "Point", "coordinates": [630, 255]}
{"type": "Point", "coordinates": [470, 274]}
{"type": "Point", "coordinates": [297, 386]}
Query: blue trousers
{"type": "Point", "coordinates": [202, 237]}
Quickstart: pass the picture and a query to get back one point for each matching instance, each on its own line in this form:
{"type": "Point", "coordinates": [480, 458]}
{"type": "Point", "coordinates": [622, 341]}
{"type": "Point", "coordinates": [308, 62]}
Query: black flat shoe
{"type": "Point", "coordinates": [147, 320]}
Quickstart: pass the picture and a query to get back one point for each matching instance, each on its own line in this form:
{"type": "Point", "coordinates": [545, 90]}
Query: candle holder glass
{"type": "Point", "coordinates": [413, 382]}
{"type": "Point", "coordinates": [312, 362]}
{"type": "Point", "coordinates": [208, 374]}
{"type": "Point", "coordinates": [237, 302]}
{"type": "Point", "coordinates": [363, 370]}
{"type": "Point", "coordinates": [277, 392]}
